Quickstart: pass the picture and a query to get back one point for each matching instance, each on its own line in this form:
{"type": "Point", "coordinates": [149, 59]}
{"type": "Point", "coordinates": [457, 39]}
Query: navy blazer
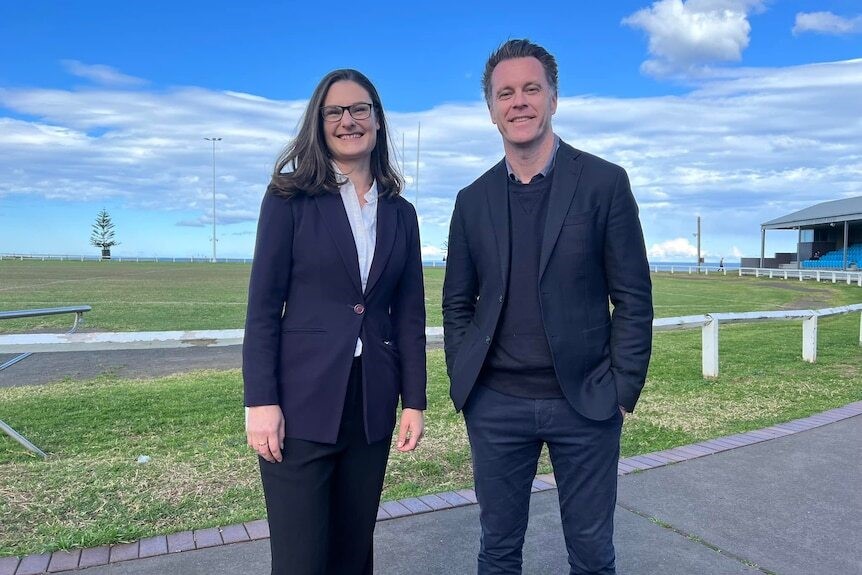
{"type": "Point", "coordinates": [592, 251]}
{"type": "Point", "coordinates": [306, 308]}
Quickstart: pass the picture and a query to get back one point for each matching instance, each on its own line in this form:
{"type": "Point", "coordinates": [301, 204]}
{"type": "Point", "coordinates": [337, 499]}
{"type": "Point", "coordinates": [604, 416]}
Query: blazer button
{"type": "Point", "coordinates": [501, 299]}
{"type": "Point", "coordinates": [488, 339]}
{"type": "Point", "coordinates": [359, 309]}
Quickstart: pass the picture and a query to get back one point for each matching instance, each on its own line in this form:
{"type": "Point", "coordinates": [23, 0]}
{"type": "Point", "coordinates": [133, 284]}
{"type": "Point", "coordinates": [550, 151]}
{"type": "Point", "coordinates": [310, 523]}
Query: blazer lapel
{"type": "Point", "coordinates": [567, 171]}
{"type": "Point", "coordinates": [387, 222]}
{"type": "Point", "coordinates": [498, 204]}
{"type": "Point", "coordinates": [332, 212]}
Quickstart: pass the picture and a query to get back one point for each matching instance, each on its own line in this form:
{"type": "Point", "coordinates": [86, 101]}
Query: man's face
{"type": "Point", "coordinates": [522, 102]}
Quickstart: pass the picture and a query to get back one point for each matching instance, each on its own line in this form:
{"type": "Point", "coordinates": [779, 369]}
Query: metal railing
{"type": "Point", "coordinates": [137, 259]}
{"type": "Point", "coordinates": [79, 312]}
{"type": "Point", "coordinates": [849, 277]}
{"type": "Point", "coordinates": [707, 323]}
{"type": "Point", "coordinates": [710, 322]}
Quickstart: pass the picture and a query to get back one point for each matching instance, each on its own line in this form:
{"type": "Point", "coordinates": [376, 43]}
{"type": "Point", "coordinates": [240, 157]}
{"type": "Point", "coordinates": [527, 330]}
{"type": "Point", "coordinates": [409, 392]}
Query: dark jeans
{"type": "Point", "coordinates": [321, 500]}
{"type": "Point", "coordinates": [506, 436]}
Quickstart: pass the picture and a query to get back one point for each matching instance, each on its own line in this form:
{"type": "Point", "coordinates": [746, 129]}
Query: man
{"type": "Point", "coordinates": [538, 246]}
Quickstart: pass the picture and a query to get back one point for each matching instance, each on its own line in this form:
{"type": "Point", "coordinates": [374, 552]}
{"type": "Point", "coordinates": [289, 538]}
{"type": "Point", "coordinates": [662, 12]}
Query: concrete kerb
{"type": "Point", "coordinates": [61, 561]}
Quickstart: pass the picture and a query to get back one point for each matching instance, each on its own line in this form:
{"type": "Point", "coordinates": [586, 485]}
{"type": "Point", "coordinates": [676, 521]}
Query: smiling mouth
{"type": "Point", "coordinates": [521, 119]}
{"type": "Point", "coordinates": [349, 136]}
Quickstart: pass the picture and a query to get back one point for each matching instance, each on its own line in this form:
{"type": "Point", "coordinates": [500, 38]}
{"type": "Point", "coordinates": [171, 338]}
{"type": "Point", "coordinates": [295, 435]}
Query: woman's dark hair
{"type": "Point", "coordinates": [307, 158]}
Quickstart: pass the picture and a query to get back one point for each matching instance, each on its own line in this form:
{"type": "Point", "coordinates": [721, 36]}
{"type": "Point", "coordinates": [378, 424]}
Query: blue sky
{"type": "Point", "coordinates": [735, 110]}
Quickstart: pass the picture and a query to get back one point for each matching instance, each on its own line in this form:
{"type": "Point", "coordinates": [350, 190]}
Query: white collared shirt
{"type": "Point", "coordinates": [363, 224]}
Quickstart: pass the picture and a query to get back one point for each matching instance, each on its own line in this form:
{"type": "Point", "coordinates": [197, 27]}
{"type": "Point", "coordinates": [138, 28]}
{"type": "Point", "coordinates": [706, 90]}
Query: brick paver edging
{"type": "Point", "coordinates": [59, 561]}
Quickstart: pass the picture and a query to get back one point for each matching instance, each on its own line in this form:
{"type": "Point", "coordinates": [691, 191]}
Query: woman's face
{"type": "Point", "coordinates": [349, 140]}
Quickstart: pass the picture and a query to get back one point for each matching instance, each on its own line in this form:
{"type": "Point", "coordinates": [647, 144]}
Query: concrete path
{"type": "Point", "coordinates": [784, 500]}
{"type": "Point", "coordinates": [42, 368]}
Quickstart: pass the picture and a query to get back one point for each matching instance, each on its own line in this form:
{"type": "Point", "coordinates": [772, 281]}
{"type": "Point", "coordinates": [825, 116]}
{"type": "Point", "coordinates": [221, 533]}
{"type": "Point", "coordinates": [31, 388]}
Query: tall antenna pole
{"type": "Point", "coordinates": [214, 140]}
{"type": "Point", "coordinates": [418, 135]}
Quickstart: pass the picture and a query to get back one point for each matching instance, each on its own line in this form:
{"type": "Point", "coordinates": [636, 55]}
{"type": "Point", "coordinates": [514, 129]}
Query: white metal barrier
{"type": "Point", "coordinates": [79, 311]}
{"type": "Point", "coordinates": [849, 277]}
{"type": "Point", "coordinates": [708, 323]}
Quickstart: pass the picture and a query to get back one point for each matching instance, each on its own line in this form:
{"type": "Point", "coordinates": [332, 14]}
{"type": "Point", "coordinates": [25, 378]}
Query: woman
{"type": "Point", "coordinates": [335, 332]}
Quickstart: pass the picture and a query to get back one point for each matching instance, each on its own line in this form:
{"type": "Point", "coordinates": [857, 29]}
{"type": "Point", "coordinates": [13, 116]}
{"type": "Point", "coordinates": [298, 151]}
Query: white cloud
{"type": "Point", "coordinates": [826, 23]}
{"type": "Point", "coordinates": [101, 74]}
{"type": "Point", "coordinates": [677, 248]}
{"type": "Point", "coordinates": [432, 252]}
{"type": "Point", "coordinates": [744, 147]}
{"type": "Point", "coordinates": [685, 36]}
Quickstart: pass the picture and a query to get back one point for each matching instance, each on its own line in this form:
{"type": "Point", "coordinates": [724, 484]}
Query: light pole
{"type": "Point", "coordinates": [697, 235]}
{"type": "Point", "coordinates": [214, 140]}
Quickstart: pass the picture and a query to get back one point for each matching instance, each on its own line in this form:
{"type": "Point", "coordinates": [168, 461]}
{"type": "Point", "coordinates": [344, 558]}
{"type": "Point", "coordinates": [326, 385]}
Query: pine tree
{"type": "Point", "coordinates": [103, 233]}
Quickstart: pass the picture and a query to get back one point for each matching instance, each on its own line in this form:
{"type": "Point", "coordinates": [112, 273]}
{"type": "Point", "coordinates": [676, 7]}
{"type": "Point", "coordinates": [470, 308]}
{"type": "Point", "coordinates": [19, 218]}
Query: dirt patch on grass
{"type": "Point", "coordinates": [814, 298]}
{"type": "Point", "coordinates": [807, 303]}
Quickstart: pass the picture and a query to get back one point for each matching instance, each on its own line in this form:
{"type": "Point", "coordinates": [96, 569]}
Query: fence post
{"type": "Point", "coordinates": [818, 276]}
{"type": "Point", "coordinates": [709, 341]}
{"type": "Point", "coordinates": [809, 338]}
{"type": "Point", "coordinates": [833, 277]}
{"type": "Point", "coordinates": [860, 329]}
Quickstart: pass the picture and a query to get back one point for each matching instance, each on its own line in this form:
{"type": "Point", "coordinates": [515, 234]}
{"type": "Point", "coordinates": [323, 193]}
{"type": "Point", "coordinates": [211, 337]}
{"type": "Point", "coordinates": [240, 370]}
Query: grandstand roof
{"type": "Point", "coordinates": [846, 210]}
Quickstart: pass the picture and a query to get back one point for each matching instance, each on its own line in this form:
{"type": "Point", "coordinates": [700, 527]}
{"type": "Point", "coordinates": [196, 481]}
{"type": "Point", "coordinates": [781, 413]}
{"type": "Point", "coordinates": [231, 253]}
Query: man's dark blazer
{"type": "Point", "coordinates": [306, 308]}
{"type": "Point", "coordinates": [592, 250]}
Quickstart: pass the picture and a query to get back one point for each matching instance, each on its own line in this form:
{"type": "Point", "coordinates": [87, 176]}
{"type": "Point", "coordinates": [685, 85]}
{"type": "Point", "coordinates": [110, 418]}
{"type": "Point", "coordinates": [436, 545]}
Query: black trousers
{"type": "Point", "coordinates": [321, 500]}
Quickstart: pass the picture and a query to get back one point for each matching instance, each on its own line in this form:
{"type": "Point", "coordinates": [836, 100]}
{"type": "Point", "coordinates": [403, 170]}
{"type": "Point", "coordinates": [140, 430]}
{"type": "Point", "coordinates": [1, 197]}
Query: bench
{"type": "Point", "coordinates": [79, 311]}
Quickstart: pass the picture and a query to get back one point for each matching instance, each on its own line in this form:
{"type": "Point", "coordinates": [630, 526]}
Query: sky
{"type": "Point", "coordinates": [737, 111]}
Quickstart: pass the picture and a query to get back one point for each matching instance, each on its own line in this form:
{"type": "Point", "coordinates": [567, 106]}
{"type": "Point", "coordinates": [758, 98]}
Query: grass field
{"type": "Point", "coordinates": [129, 296]}
{"type": "Point", "coordinates": [91, 491]}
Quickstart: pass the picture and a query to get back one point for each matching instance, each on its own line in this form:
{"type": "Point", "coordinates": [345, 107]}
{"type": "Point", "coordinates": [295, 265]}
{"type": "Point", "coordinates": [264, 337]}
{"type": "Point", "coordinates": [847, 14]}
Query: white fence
{"type": "Point", "coordinates": [708, 323]}
{"type": "Point", "coordinates": [849, 277]}
{"type": "Point", "coordinates": [138, 259]}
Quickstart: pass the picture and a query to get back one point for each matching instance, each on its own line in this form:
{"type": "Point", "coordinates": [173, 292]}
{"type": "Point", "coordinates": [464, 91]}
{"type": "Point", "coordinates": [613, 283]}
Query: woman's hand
{"type": "Point", "coordinates": [411, 429]}
{"type": "Point", "coordinates": [264, 430]}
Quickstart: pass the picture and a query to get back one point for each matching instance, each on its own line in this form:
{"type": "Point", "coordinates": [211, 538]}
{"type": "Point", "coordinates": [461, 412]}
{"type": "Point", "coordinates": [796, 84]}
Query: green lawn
{"type": "Point", "coordinates": [91, 491]}
{"type": "Point", "coordinates": [126, 296]}
{"type": "Point", "coordinates": [129, 296]}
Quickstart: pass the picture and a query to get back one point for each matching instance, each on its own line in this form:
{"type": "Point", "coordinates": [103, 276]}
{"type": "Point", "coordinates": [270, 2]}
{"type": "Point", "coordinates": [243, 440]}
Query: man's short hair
{"type": "Point", "coordinates": [519, 49]}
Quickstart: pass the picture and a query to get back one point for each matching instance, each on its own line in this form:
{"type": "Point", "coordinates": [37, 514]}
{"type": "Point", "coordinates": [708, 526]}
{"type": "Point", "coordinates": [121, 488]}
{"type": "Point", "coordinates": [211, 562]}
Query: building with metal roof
{"type": "Point", "coordinates": [824, 229]}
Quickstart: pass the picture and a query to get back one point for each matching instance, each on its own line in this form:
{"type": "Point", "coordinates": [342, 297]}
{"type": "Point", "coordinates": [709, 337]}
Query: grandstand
{"type": "Point", "coordinates": [829, 237]}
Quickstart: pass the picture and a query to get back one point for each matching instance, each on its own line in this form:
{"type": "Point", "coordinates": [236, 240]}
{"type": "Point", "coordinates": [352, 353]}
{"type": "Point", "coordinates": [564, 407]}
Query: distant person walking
{"type": "Point", "coordinates": [538, 247]}
{"type": "Point", "coordinates": [335, 332]}
{"type": "Point", "coordinates": [721, 263]}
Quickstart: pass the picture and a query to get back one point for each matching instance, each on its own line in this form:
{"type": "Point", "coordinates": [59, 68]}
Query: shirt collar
{"type": "Point", "coordinates": [345, 185]}
{"type": "Point", "coordinates": [544, 171]}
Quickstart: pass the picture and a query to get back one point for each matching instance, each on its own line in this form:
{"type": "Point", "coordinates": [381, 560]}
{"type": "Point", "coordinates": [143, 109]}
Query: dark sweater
{"type": "Point", "coordinates": [519, 361]}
